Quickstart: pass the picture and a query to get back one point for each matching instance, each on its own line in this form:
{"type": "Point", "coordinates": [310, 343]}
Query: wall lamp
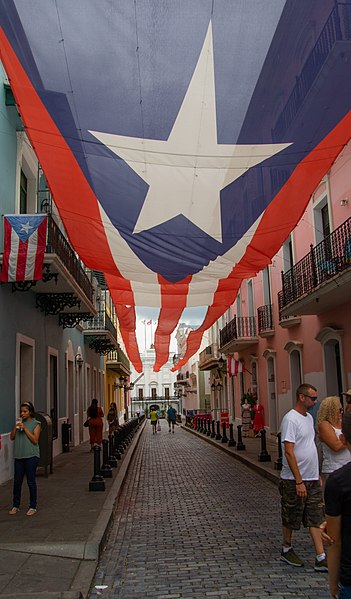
{"type": "Point", "coordinates": [79, 359]}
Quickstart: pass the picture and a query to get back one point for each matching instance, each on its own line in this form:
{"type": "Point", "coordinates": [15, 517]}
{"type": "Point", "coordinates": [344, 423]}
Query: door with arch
{"type": "Point", "coordinates": [295, 372]}
{"type": "Point", "coordinates": [332, 361]}
{"type": "Point", "coordinates": [272, 395]}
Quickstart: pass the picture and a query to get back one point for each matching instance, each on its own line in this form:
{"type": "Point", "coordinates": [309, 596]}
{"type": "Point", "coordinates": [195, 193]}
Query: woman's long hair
{"type": "Point", "coordinates": [93, 410]}
{"type": "Point", "coordinates": [329, 410]}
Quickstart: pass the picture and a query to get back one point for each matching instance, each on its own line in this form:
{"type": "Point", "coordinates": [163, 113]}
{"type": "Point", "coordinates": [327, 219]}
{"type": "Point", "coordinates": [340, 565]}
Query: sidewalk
{"type": "Point", "coordinates": [54, 554]}
{"type": "Point", "coordinates": [249, 456]}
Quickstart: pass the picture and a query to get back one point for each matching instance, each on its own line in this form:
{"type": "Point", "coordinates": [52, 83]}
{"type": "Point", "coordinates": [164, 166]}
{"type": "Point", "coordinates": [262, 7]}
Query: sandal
{"type": "Point", "coordinates": [13, 511]}
{"type": "Point", "coordinates": [31, 511]}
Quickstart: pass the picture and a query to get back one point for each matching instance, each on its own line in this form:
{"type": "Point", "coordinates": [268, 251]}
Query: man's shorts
{"type": "Point", "coordinates": [307, 510]}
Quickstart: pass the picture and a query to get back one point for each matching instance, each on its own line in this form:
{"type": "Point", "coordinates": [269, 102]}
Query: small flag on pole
{"type": "Point", "coordinates": [235, 366]}
{"type": "Point", "coordinates": [24, 247]}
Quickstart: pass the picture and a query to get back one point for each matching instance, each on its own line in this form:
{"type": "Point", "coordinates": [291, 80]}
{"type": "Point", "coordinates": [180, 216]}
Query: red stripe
{"type": "Point", "coordinates": [127, 322]}
{"type": "Point", "coordinates": [21, 260]}
{"type": "Point", "coordinates": [173, 300]}
{"type": "Point", "coordinates": [7, 249]}
{"type": "Point", "coordinates": [39, 259]}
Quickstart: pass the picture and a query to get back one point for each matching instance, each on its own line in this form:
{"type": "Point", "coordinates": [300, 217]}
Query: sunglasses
{"type": "Point", "coordinates": [313, 397]}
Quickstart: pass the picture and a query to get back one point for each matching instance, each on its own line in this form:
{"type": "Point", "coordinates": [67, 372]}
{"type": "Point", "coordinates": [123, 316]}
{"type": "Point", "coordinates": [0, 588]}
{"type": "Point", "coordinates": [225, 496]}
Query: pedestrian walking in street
{"type": "Point", "coordinates": [25, 434]}
{"type": "Point", "coordinates": [338, 516]}
{"type": "Point", "coordinates": [171, 418]}
{"type": "Point", "coordinates": [300, 484]}
{"type": "Point", "coordinates": [112, 418]}
{"type": "Point", "coordinates": [154, 420]}
{"type": "Point", "coordinates": [334, 452]}
{"type": "Point", "coordinates": [95, 417]}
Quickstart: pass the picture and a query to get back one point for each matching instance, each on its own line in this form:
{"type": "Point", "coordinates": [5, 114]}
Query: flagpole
{"type": "Point", "coordinates": [151, 340]}
{"type": "Point", "coordinates": [145, 335]}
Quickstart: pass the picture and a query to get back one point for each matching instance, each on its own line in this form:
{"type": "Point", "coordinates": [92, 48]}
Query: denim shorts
{"type": "Point", "coordinates": [344, 592]}
{"type": "Point", "coordinates": [296, 510]}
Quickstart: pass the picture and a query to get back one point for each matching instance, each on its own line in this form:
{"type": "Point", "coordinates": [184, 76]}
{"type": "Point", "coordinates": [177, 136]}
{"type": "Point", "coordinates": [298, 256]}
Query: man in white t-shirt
{"type": "Point", "coordinates": [300, 485]}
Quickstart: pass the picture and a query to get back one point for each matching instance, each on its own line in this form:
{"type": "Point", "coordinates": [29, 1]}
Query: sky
{"type": "Point", "coordinates": [145, 333]}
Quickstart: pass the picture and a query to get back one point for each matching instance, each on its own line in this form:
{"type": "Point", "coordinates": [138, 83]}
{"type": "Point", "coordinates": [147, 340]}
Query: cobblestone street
{"type": "Point", "coordinates": [193, 522]}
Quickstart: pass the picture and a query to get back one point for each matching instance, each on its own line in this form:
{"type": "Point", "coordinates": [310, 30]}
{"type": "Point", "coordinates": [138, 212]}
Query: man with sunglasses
{"type": "Point", "coordinates": [300, 483]}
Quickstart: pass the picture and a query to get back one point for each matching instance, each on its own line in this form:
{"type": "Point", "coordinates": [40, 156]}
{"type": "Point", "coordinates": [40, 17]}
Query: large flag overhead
{"type": "Point", "coordinates": [181, 140]}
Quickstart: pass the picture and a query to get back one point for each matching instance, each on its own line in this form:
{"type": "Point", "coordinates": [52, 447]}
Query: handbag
{"type": "Point", "coordinates": [86, 423]}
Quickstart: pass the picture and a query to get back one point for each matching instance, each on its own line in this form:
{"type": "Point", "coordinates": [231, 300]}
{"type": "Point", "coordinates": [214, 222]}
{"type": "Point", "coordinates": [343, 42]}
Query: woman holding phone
{"type": "Point", "coordinates": [25, 434]}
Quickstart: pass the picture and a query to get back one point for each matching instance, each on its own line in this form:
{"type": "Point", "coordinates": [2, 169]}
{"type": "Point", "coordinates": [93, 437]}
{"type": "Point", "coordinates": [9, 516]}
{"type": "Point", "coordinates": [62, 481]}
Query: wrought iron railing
{"type": "Point", "coordinates": [265, 318]}
{"type": "Point", "coordinates": [100, 322]}
{"type": "Point", "coordinates": [58, 244]}
{"type": "Point", "coordinates": [324, 261]}
{"type": "Point", "coordinates": [240, 327]}
{"type": "Point", "coordinates": [118, 356]}
{"type": "Point", "coordinates": [337, 28]}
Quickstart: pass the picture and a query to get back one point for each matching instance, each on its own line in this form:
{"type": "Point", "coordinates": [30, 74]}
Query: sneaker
{"type": "Point", "coordinates": [321, 566]}
{"type": "Point", "coordinates": [31, 511]}
{"type": "Point", "coordinates": [291, 558]}
{"type": "Point", "coordinates": [13, 511]}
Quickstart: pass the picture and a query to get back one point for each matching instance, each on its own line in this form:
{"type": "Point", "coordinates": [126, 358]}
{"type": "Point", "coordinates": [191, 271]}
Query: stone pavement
{"type": "Point", "coordinates": [194, 523]}
{"type": "Point", "coordinates": [54, 554]}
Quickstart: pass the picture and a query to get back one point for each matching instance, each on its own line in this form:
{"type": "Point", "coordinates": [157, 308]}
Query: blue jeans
{"type": "Point", "coordinates": [25, 466]}
{"type": "Point", "coordinates": [345, 592]}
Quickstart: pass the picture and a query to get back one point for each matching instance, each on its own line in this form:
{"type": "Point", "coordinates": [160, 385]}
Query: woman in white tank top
{"type": "Point", "coordinates": [335, 452]}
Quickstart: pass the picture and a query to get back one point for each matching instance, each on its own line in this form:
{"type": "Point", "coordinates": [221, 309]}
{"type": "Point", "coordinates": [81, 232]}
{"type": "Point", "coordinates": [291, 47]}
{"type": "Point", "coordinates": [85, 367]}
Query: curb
{"type": "Point", "coordinates": [94, 545]}
{"type": "Point", "coordinates": [273, 476]}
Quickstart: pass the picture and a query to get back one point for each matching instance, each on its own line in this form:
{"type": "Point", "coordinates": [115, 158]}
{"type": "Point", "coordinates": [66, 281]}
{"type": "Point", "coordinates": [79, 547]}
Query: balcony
{"type": "Point", "coordinates": [239, 334]}
{"type": "Point", "coordinates": [118, 362]}
{"type": "Point", "coordinates": [208, 358]}
{"type": "Point", "coordinates": [321, 280]}
{"type": "Point", "coordinates": [101, 333]}
{"type": "Point", "coordinates": [265, 321]}
{"type": "Point", "coordinates": [65, 289]}
{"type": "Point", "coordinates": [286, 322]}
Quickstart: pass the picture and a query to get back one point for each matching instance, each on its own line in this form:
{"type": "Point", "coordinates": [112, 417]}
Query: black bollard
{"type": "Point", "coordinates": [231, 442]}
{"type": "Point", "coordinates": [97, 483]}
{"type": "Point", "coordinates": [278, 465]}
{"type": "Point", "coordinates": [240, 445]}
{"type": "Point", "coordinates": [213, 433]}
{"type": "Point", "coordinates": [218, 434]}
{"type": "Point", "coordinates": [105, 470]}
{"type": "Point", "coordinates": [263, 456]}
{"type": "Point", "coordinates": [208, 427]}
{"type": "Point", "coordinates": [204, 429]}
{"type": "Point", "coordinates": [111, 460]}
{"type": "Point", "coordinates": [116, 451]}
{"type": "Point", "coordinates": [224, 433]}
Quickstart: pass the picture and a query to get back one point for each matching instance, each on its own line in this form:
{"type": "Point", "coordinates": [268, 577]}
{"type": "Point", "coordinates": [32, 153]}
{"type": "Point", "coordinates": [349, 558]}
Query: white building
{"type": "Point", "coordinates": [154, 387]}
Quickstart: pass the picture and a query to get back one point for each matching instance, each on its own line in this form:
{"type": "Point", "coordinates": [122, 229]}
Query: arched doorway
{"type": "Point", "coordinates": [272, 392]}
{"type": "Point", "coordinates": [294, 348]}
{"type": "Point", "coordinates": [330, 338]}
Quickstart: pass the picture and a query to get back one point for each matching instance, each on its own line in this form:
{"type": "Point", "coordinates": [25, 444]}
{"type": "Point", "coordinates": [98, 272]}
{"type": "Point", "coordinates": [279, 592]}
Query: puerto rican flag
{"type": "Point", "coordinates": [181, 140]}
{"type": "Point", "coordinates": [24, 247]}
{"type": "Point", "coordinates": [235, 366]}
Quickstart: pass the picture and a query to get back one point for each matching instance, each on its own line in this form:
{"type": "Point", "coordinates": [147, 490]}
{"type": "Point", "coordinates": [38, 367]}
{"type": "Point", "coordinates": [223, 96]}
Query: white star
{"type": "Point", "coordinates": [186, 173]}
{"type": "Point", "coordinates": [26, 227]}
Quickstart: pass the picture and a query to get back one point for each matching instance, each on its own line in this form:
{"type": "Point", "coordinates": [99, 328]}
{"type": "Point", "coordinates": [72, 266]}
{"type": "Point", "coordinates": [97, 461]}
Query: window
{"type": "Point", "coordinates": [23, 193]}
{"type": "Point", "coordinates": [140, 393]}
{"type": "Point", "coordinates": [266, 287]}
{"type": "Point", "coordinates": [250, 298]}
{"type": "Point", "coordinates": [288, 257]}
{"type": "Point", "coordinates": [167, 392]}
{"type": "Point", "coordinates": [153, 393]}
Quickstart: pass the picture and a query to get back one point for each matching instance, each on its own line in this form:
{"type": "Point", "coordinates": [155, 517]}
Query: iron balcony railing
{"type": "Point", "coordinates": [337, 28]}
{"type": "Point", "coordinates": [240, 327]}
{"type": "Point", "coordinates": [118, 356]}
{"type": "Point", "coordinates": [265, 318]}
{"type": "Point", "coordinates": [209, 353]}
{"type": "Point", "coordinates": [327, 259]}
{"type": "Point", "coordinates": [100, 322]}
{"type": "Point", "coordinates": [58, 244]}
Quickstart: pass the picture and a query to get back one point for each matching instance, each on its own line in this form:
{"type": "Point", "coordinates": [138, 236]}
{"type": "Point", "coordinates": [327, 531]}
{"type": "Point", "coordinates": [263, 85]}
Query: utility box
{"type": "Point", "coordinates": [45, 442]}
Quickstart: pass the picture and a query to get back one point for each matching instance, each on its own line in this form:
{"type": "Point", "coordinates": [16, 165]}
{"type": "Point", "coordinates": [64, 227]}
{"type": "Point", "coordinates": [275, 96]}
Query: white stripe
{"type": "Point", "coordinates": [31, 255]}
{"type": "Point", "coordinates": [13, 256]}
{"type": "Point", "coordinates": [144, 281]}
